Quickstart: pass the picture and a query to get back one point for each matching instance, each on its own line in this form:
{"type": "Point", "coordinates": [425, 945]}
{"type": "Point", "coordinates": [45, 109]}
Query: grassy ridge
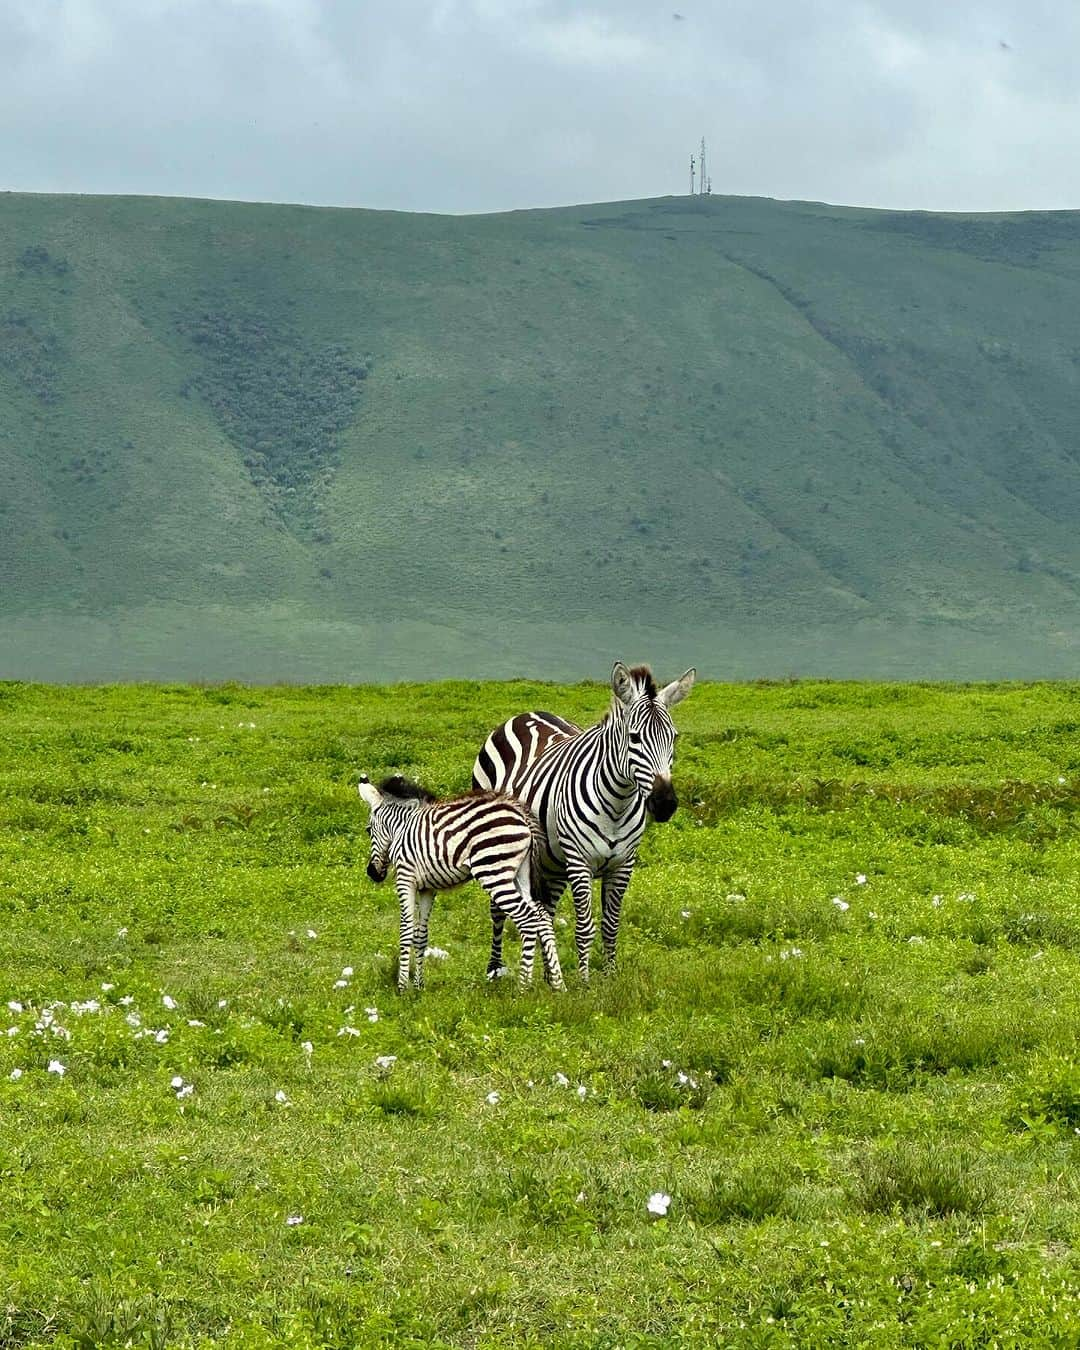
{"type": "Point", "coordinates": [280, 442]}
{"type": "Point", "coordinates": [842, 1035]}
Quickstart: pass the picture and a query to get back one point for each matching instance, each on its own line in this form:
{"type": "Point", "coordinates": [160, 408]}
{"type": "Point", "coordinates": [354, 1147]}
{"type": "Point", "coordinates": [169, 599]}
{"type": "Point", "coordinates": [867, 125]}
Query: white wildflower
{"type": "Point", "coordinates": [372, 1014]}
{"type": "Point", "coordinates": [341, 984]}
{"type": "Point", "coordinates": [194, 1022]}
{"type": "Point", "coordinates": [1061, 778]}
{"type": "Point", "coordinates": [162, 1036]}
{"type": "Point", "coordinates": [122, 932]}
{"type": "Point", "coordinates": [56, 1067]}
{"type": "Point", "coordinates": [168, 1001]}
{"type": "Point", "coordinates": [311, 931]}
{"type": "Point", "coordinates": [347, 972]}
{"type": "Point", "coordinates": [13, 1031]}
{"type": "Point", "coordinates": [684, 913]}
{"type": "Point", "coordinates": [582, 1091]}
{"type": "Point", "coordinates": [133, 1019]}
{"type": "Point", "coordinates": [348, 1031]}
{"type": "Point", "coordinates": [436, 953]}
{"type": "Point", "coordinates": [176, 1082]}
{"type": "Point", "coordinates": [185, 1091]}
{"type": "Point", "coordinates": [307, 1047]}
{"type": "Point", "coordinates": [736, 897]}
{"type": "Point", "coordinates": [916, 938]}
{"type": "Point", "coordinates": [560, 921]}
{"type": "Point", "coordinates": [281, 1098]}
{"type": "Point", "coordinates": [15, 1006]}
{"type": "Point", "coordinates": [127, 1000]}
{"type": "Point", "coordinates": [860, 878]}
{"type": "Point", "coordinates": [665, 1063]}
{"type": "Point", "coordinates": [107, 987]}
{"type": "Point", "coordinates": [492, 1099]}
{"type": "Point", "coordinates": [223, 1002]}
{"type": "Point", "coordinates": [386, 1061]}
{"type": "Point", "coordinates": [90, 1006]}
{"type": "Point", "coordinates": [294, 1219]}
{"type": "Point", "coordinates": [840, 903]}
{"type": "Point", "coordinates": [560, 1080]}
{"type": "Point", "coordinates": [15, 1074]}
{"type": "Point", "coordinates": [658, 1203]}
{"type": "Point", "coordinates": [966, 895]}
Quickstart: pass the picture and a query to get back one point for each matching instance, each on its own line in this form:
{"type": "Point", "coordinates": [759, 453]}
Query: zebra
{"type": "Point", "coordinates": [435, 845]}
{"type": "Point", "coordinates": [592, 792]}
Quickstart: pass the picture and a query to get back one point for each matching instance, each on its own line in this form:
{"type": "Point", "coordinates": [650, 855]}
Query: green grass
{"type": "Point", "coordinates": [275, 442]}
{"type": "Point", "coordinates": [863, 1097]}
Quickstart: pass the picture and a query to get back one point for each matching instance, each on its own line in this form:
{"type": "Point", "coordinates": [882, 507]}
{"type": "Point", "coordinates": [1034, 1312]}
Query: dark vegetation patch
{"type": "Point", "coordinates": [1019, 239]}
{"type": "Point", "coordinates": [927, 1177]}
{"type": "Point", "coordinates": [282, 400]}
{"type": "Point", "coordinates": [38, 261]}
{"type": "Point", "coordinates": [32, 354]}
{"type": "Point", "coordinates": [743, 1192]}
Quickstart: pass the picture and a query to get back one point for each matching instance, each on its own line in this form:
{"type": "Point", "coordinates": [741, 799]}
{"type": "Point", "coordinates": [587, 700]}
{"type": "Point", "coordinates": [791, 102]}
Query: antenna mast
{"type": "Point", "coordinates": [701, 176]}
{"type": "Point", "coordinates": [691, 175]}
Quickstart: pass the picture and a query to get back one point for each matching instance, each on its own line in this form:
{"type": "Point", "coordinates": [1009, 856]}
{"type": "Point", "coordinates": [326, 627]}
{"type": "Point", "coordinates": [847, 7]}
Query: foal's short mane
{"type": "Point", "coordinates": [404, 789]}
{"type": "Point", "coordinates": [643, 678]}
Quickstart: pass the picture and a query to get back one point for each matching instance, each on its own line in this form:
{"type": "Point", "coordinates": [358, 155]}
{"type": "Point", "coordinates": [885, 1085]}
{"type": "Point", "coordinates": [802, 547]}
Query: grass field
{"type": "Point", "coordinates": [842, 1036]}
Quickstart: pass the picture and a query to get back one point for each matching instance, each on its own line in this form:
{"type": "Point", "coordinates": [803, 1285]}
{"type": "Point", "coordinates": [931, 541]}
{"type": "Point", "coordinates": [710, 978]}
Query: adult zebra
{"type": "Point", "coordinates": [592, 792]}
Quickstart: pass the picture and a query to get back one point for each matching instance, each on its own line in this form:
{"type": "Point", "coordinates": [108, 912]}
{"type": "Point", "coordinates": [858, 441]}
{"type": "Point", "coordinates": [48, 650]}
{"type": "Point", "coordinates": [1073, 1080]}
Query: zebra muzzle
{"type": "Point", "coordinates": [374, 873]}
{"type": "Point", "coordinates": [662, 801]}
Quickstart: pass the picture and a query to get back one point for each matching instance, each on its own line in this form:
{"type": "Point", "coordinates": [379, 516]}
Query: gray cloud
{"type": "Point", "coordinates": [476, 105]}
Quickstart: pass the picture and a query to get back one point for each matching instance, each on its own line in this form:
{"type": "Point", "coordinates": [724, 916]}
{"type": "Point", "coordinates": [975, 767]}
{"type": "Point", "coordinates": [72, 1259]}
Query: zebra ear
{"type": "Point", "coordinates": [677, 690]}
{"type": "Point", "coordinates": [369, 791]}
{"type": "Point", "coordinates": [622, 683]}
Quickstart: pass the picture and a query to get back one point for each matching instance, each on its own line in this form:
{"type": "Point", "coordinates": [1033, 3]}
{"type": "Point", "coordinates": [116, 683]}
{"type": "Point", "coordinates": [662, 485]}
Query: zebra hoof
{"type": "Point", "coordinates": [498, 973]}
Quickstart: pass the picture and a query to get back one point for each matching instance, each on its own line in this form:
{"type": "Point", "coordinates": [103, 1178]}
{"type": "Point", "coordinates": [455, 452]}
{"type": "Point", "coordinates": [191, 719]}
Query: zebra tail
{"type": "Point", "coordinates": [536, 854]}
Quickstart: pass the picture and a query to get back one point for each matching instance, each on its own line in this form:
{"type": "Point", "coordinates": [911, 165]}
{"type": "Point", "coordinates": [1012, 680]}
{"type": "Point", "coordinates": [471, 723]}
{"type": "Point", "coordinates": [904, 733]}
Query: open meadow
{"type": "Point", "coordinates": [842, 1036]}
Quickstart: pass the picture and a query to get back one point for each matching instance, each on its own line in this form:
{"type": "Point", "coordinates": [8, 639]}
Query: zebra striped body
{"type": "Point", "coordinates": [592, 792]}
{"type": "Point", "coordinates": [437, 845]}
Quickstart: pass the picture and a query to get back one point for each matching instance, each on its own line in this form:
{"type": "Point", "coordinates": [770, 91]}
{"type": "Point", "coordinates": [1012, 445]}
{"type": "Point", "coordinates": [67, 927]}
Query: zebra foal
{"type": "Point", "coordinates": [435, 845]}
{"type": "Point", "coordinates": [592, 792]}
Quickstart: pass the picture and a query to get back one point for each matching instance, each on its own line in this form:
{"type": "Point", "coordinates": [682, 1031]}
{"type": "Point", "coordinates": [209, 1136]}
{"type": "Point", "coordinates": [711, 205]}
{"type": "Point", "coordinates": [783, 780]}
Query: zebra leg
{"type": "Point", "coordinates": [406, 889]}
{"type": "Point", "coordinates": [612, 890]}
{"type": "Point", "coordinates": [542, 928]}
{"type": "Point", "coordinates": [498, 923]}
{"type": "Point", "coordinates": [424, 901]}
{"type": "Point", "coordinates": [552, 968]}
{"type": "Point", "coordinates": [501, 886]}
{"type": "Point", "coordinates": [580, 875]}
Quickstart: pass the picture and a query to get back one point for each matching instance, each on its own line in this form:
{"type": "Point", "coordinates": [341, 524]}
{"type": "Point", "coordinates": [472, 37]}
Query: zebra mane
{"type": "Point", "coordinates": [643, 680]}
{"type": "Point", "coordinates": [404, 789]}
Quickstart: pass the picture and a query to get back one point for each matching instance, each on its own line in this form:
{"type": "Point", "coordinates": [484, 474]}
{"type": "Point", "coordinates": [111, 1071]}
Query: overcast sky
{"type": "Point", "coordinates": [481, 105]}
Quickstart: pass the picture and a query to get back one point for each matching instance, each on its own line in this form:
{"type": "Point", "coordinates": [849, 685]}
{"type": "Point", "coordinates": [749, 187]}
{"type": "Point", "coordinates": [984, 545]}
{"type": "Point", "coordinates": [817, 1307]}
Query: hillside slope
{"type": "Point", "coordinates": [276, 442]}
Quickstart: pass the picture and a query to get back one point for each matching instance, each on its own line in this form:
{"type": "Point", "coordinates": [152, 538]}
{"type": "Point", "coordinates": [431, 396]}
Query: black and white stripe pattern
{"type": "Point", "coordinates": [592, 792]}
{"type": "Point", "coordinates": [436, 845]}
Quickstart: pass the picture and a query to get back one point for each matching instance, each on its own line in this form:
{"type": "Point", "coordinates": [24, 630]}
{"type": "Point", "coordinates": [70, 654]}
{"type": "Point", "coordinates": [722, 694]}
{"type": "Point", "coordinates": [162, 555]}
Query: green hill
{"type": "Point", "coordinates": [277, 442]}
